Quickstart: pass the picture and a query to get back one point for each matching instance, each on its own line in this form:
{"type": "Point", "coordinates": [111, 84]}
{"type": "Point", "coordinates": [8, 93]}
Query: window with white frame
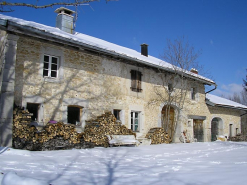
{"type": "Point", "coordinates": [135, 121]}
{"type": "Point", "coordinates": [51, 66]}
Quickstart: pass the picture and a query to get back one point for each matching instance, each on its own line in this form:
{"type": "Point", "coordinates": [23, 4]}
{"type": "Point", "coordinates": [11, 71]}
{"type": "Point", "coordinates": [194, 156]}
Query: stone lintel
{"type": "Point", "coordinates": [196, 117]}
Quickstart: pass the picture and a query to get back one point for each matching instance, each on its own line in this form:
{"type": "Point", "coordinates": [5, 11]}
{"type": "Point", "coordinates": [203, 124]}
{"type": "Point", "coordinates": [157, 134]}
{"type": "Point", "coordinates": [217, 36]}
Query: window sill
{"type": "Point", "coordinates": [53, 80]}
{"type": "Point", "coordinates": [136, 90]}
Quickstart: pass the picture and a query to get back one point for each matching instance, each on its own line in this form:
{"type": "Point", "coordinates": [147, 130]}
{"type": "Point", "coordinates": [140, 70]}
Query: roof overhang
{"type": "Point", "coordinates": [210, 103]}
{"type": "Point", "coordinates": [24, 30]}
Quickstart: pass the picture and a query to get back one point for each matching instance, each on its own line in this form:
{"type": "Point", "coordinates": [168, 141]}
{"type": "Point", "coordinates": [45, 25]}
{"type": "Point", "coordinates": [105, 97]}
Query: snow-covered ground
{"type": "Point", "coordinates": [171, 164]}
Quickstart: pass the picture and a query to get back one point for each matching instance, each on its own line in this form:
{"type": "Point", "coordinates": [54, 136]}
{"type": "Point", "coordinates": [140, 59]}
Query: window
{"type": "Point", "coordinates": [34, 109]}
{"type": "Point", "coordinates": [193, 93]}
{"type": "Point", "coordinates": [51, 66]}
{"type": "Point", "coordinates": [117, 114]}
{"type": "Point", "coordinates": [136, 78]}
{"type": "Point", "coordinates": [170, 87]}
{"type": "Point", "coordinates": [74, 115]}
{"type": "Point", "coordinates": [135, 121]}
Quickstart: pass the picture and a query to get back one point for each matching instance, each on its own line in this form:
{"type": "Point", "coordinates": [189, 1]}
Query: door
{"type": "Point", "coordinates": [168, 124]}
{"type": "Point", "coordinates": [214, 129]}
{"type": "Point", "coordinates": [198, 130]}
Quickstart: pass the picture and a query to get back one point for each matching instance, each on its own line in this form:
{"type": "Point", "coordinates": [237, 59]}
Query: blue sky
{"type": "Point", "coordinates": [216, 27]}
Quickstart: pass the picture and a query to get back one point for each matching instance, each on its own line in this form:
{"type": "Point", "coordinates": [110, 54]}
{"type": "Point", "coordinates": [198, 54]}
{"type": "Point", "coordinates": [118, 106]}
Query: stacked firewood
{"type": "Point", "coordinates": [238, 137]}
{"type": "Point", "coordinates": [158, 136]}
{"type": "Point", "coordinates": [21, 126]}
{"type": "Point", "coordinates": [106, 124]}
{"type": "Point", "coordinates": [52, 137]}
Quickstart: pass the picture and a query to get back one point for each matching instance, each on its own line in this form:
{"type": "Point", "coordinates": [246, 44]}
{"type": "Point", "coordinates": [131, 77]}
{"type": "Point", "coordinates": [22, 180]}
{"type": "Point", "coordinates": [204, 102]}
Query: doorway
{"type": "Point", "coordinates": [168, 119]}
{"type": "Point", "coordinates": [198, 130]}
{"type": "Point", "coordinates": [216, 128]}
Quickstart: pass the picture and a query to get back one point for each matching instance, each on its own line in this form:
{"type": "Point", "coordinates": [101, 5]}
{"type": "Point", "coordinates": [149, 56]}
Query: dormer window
{"type": "Point", "coordinates": [136, 78]}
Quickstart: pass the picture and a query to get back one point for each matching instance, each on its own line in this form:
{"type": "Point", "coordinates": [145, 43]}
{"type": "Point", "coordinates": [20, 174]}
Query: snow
{"type": "Point", "coordinates": [173, 164]}
{"type": "Point", "coordinates": [99, 43]}
{"type": "Point", "coordinates": [222, 101]}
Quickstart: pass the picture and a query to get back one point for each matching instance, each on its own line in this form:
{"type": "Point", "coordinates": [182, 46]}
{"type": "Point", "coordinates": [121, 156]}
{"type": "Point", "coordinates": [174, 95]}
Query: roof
{"type": "Point", "coordinates": [223, 102]}
{"type": "Point", "coordinates": [96, 44]}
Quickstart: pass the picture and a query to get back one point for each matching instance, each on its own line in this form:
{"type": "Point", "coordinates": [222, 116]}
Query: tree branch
{"type": "Point", "coordinates": [5, 4]}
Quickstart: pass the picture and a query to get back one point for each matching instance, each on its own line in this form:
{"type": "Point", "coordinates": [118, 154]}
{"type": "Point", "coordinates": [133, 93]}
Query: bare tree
{"type": "Point", "coordinates": [173, 90]}
{"type": "Point", "coordinates": [245, 83]}
{"type": "Point", "coordinates": [6, 6]}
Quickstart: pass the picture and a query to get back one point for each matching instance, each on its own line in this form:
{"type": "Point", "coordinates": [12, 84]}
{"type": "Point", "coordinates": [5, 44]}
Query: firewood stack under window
{"type": "Point", "coordinates": [52, 137]}
{"type": "Point", "coordinates": [158, 136]}
{"type": "Point", "coordinates": [106, 124]}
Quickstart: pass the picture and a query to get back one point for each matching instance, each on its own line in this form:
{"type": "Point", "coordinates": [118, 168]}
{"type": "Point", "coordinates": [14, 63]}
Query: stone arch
{"type": "Point", "coordinates": [173, 112]}
{"type": "Point", "coordinates": [217, 128]}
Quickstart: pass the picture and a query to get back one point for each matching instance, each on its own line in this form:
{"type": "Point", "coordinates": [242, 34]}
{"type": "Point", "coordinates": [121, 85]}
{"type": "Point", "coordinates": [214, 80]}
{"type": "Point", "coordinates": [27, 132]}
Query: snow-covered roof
{"type": "Point", "coordinates": [96, 43]}
{"type": "Point", "coordinates": [222, 102]}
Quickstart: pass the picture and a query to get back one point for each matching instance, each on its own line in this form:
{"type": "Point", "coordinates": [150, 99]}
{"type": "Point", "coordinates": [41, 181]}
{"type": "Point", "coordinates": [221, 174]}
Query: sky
{"type": "Point", "coordinates": [217, 28]}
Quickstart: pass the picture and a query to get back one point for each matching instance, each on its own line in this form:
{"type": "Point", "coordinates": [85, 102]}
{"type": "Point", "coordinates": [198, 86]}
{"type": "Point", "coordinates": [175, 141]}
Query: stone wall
{"type": "Point", "coordinates": [97, 84]}
{"type": "Point", "coordinates": [228, 117]}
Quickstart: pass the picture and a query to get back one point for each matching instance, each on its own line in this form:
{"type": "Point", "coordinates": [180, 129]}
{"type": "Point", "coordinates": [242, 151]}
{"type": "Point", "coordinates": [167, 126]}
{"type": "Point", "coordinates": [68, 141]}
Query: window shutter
{"type": "Point", "coordinates": [133, 79]}
{"type": "Point", "coordinates": [139, 80]}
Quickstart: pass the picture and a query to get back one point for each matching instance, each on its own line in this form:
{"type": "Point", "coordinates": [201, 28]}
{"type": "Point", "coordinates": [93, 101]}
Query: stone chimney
{"type": "Point", "coordinates": [144, 49]}
{"type": "Point", "coordinates": [64, 19]}
{"type": "Point", "coordinates": [193, 70]}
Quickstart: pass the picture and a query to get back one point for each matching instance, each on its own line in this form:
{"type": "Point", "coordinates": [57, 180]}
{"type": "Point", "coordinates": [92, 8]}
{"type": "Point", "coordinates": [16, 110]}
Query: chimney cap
{"type": "Point", "coordinates": [64, 10]}
{"type": "Point", "coordinates": [193, 70]}
{"type": "Point", "coordinates": [144, 44]}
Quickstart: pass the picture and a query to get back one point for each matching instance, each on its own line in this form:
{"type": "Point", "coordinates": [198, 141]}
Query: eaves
{"type": "Point", "coordinates": [18, 29]}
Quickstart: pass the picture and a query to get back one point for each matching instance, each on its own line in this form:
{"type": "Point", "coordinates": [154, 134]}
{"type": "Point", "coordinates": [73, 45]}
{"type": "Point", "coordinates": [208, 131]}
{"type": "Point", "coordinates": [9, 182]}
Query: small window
{"type": "Point", "coordinates": [170, 87]}
{"type": "Point", "coordinates": [136, 78]}
{"type": "Point", "coordinates": [34, 109]}
{"type": "Point", "coordinates": [193, 93]}
{"type": "Point", "coordinates": [117, 114]}
{"type": "Point", "coordinates": [74, 115]}
{"type": "Point", "coordinates": [51, 66]}
{"type": "Point", "coordinates": [135, 121]}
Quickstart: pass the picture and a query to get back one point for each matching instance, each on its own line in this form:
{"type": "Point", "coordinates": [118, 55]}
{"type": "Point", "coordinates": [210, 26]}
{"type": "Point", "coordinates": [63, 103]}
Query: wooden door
{"type": "Point", "coordinates": [198, 130]}
{"type": "Point", "coordinates": [168, 125]}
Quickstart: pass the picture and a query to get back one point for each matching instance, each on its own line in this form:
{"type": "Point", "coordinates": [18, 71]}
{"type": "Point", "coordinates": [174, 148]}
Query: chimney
{"type": "Point", "coordinates": [64, 20]}
{"type": "Point", "coordinates": [193, 70]}
{"type": "Point", "coordinates": [144, 49]}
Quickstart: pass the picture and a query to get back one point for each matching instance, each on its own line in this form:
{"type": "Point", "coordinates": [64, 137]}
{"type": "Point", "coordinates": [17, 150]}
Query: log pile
{"type": "Point", "coordinates": [158, 136]}
{"type": "Point", "coordinates": [238, 137]}
{"type": "Point", "coordinates": [106, 124]}
{"type": "Point", "coordinates": [52, 137]}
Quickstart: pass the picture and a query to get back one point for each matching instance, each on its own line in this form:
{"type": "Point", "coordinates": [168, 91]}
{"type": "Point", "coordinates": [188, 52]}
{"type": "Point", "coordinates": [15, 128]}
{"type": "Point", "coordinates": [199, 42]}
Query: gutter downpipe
{"type": "Point", "coordinates": [243, 114]}
{"type": "Point", "coordinates": [215, 87]}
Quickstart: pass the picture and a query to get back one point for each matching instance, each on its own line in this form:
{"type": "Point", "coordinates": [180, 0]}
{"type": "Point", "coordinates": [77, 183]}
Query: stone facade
{"type": "Point", "coordinates": [96, 84]}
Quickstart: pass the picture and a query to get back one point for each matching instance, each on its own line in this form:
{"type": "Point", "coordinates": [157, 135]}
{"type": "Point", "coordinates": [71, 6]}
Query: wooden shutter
{"type": "Point", "coordinates": [139, 80]}
{"type": "Point", "coordinates": [133, 80]}
{"type": "Point", "coordinates": [136, 78]}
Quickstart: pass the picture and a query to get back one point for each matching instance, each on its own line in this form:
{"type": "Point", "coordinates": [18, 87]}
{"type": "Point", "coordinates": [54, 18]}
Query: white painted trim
{"type": "Point", "coordinates": [137, 108]}
{"type": "Point", "coordinates": [56, 53]}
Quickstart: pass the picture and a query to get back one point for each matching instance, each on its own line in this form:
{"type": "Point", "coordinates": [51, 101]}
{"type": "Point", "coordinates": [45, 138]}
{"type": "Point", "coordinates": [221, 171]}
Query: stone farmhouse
{"type": "Point", "coordinates": [71, 77]}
